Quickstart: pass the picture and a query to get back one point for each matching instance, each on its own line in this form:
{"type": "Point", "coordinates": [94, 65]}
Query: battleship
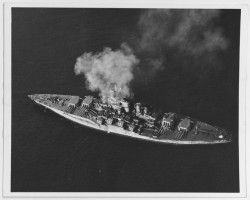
{"type": "Point", "coordinates": [116, 115]}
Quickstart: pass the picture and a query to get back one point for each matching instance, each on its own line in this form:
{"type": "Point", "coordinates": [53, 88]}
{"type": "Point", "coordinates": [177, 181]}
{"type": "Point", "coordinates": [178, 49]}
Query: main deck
{"type": "Point", "coordinates": [69, 107]}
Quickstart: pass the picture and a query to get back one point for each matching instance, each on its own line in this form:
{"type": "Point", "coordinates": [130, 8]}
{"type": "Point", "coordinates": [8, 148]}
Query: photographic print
{"type": "Point", "coordinates": [125, 100]}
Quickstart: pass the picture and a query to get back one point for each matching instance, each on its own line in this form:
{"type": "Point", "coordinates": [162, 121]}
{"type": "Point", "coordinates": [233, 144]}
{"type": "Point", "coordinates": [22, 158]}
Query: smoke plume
{"type": "Point", "coordinates": [189, 37]}
{"type": "Point", "coordinates": [190, 32]}
{"type": "Point", "coordinates": [108, 69]}
{"type": "Point", "coordinates": [193, 31]}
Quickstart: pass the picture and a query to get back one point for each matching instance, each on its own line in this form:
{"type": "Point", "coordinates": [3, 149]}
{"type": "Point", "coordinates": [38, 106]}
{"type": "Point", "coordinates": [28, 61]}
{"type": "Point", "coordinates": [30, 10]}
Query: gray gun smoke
{"type": "Point", "coordinates": [192, 32]}
{"type": "Point", "coordinates": [108, 69]}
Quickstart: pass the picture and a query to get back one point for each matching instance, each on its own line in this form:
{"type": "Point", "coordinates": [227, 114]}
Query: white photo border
{"type": "Point", "coordinates": [211, 4]}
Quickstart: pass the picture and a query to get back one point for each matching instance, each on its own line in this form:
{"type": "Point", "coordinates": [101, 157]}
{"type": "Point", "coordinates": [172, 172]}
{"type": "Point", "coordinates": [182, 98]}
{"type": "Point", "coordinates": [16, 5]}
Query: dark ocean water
{"type": "Point", "coordinates": [51, 154]}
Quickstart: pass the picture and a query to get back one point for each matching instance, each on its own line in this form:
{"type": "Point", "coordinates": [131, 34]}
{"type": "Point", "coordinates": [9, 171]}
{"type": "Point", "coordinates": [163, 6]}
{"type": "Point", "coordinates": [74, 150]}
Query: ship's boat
{"type": "Point", "coordinates": [116, 116]}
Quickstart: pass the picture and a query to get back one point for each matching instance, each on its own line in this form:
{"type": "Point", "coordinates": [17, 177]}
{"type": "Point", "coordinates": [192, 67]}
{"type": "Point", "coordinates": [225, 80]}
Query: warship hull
{"type": "Point", "coordinates": [114, 129]}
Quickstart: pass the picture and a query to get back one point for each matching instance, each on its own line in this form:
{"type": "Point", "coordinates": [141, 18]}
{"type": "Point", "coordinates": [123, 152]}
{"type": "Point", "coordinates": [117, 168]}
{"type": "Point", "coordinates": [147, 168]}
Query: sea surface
{"type": "Point", "coordinates": [51, 154]}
